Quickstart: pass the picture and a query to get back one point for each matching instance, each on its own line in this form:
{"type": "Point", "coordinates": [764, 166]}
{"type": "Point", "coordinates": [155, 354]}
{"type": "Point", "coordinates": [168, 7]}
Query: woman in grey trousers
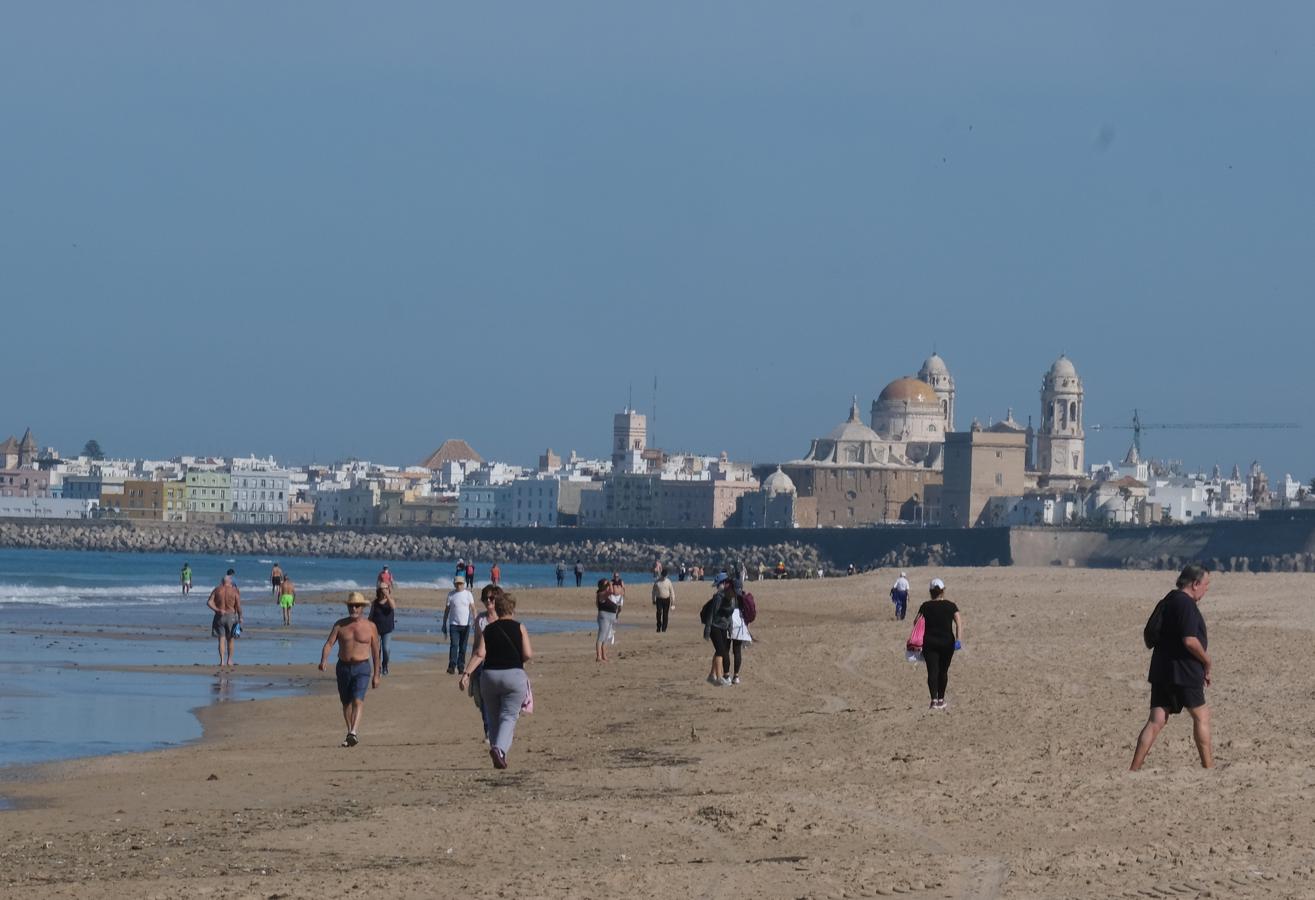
{"type": "Point", "coordinates": [503, 683]}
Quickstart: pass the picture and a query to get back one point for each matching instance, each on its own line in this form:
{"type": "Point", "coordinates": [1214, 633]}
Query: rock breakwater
{"type": "Point", "coordinates": [800, 557]}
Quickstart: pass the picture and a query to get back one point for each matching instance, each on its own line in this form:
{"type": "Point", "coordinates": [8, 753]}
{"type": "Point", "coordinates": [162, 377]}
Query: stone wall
{"type": "Point", "coordinates": [802, 550]}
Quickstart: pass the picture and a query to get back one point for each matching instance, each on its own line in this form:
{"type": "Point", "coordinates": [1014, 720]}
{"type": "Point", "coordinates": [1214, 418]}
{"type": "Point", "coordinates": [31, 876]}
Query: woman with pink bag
{"type": "Point", "coordinates": [941, 629]}
{"type": "Point", "coordinates": [504, 685]}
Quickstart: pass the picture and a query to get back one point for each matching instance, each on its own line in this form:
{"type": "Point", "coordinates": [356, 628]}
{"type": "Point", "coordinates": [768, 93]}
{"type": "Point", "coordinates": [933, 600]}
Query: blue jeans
{"type": "Point", "coordinates": [456, 651]}
{"type": "Point", "coordinates": [383, 652]}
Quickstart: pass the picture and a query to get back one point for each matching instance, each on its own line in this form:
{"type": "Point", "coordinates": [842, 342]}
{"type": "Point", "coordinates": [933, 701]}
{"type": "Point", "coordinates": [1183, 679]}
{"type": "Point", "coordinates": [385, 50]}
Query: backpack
{"type": "Point", "coordinates": [748, 608]}
{"type": "Point", "coordinates": [705, 614]}
{"type": "Point", "coordinates": [1150, 634]}
{"type": "Point", "coordinates": [916, 636]}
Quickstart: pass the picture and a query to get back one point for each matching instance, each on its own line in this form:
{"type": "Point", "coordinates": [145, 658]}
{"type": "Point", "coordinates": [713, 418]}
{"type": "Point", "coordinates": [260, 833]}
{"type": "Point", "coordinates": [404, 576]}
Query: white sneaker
{"type": "Point", "coordinates": [726, 682]}
{"type": "Point", "coordinates": [714, 681]}
{"type": "Point", "coordinates": [735, 680]}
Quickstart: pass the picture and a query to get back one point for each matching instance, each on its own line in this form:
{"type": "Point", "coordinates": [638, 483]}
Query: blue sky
{"type": "Point", "coordinates": [323, 229]}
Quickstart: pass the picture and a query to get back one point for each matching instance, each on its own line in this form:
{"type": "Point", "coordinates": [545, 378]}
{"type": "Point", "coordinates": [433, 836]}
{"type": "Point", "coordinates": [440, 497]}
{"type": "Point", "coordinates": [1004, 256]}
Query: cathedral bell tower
{"type": "Point", "coordinates": [1061, 442]}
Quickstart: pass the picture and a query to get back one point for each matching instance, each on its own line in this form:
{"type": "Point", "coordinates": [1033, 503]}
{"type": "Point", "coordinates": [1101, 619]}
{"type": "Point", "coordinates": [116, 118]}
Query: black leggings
{"type": "Point", "coordinates": [721, 646]}
{"type": "Point", "coordinates": [938, 669]}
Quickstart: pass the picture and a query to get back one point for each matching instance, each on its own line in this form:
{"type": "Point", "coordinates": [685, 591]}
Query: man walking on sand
{"type": "Point", "coordinates": [899, 594]}
{"type": "Point", "coordinates": [287, 598]}
{"type": "Point", "coordinates": [456, 624]}
{"type": "Point", "coordinates": [226, 603]}
{"type": "Point", "coordinates": [358, 662]}
{"type": "Point", "coordinates": [664, 598]}
{"type": "Point", "coordinates": [276, 579]}
{"type": "Point", "coordinates": [1180, 666]}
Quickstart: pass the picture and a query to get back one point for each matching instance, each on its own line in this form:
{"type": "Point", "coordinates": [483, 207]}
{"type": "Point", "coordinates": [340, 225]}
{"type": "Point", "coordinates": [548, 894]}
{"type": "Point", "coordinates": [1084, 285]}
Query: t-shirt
{"type": "Point", "coordinates": [939, 618]}
{"type": "Point", "coordinates": [663, 589]}
{"type": "Point", "coordinates": [1171, 663]}
{"type": "Point", "coordinates": [458, 608]}
{"type": "Point", "coordinates": [502, 645]}
{"type": "Point", "coordinates": [901, 585]}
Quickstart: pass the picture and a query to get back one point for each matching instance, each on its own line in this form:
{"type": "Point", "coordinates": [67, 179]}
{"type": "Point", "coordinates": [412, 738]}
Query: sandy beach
{"type": "Point", "coordinates": [822, 775]}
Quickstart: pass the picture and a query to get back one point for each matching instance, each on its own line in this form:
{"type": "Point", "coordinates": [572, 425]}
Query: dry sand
{"type": "Point", "coordinates": [822, 775]}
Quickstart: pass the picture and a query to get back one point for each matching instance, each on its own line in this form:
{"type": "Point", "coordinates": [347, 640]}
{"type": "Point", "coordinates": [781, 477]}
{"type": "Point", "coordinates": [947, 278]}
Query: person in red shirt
{"type": "Point", "coordinates": [495, 574]}
{"type": "Point", "coordinates": [385, 580]}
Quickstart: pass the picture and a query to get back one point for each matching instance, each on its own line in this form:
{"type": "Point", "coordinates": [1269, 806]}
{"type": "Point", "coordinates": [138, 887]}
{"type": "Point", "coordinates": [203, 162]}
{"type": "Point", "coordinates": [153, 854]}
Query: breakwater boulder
{"type": "Point", "coordinates": [116, 537]}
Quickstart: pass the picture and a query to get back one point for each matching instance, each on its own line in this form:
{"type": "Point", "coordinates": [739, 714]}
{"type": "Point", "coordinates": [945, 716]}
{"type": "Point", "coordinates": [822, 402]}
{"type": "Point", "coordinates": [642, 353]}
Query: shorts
{"type": "Point", "coordinates": [1174, 697]}
{"type": "Point", "coordinates": [354, 680]}
{"type": "Point", "coordinates": [223, 625]}
{"type": "Point", "coordinates": [285, 601]}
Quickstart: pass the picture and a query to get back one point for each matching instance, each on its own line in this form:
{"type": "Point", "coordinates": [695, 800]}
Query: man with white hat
{"type": "Point", "coordinates": [358, 661]}
{"type": "Point", "coordinates": [899, 594]}
{"type": "Point", "coordinates": [456, 623]}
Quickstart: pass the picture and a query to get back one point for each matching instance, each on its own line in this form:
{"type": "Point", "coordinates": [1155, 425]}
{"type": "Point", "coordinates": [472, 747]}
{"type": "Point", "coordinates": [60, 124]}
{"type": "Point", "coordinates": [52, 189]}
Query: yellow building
{"type": "Point", "coordinates": [155, 501]}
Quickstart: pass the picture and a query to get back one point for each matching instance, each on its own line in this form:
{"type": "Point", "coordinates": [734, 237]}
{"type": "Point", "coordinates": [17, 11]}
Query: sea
{"type": "Point", "coordinates": [97, 650]}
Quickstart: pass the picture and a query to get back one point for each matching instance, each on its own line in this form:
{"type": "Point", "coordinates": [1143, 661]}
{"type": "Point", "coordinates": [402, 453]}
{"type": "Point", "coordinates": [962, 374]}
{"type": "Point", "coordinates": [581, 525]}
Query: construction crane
{"type": "Point", "coordinates": [1138, 426]}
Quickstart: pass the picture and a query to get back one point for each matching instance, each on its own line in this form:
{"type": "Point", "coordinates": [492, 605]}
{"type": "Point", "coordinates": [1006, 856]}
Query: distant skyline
{"type": "Point", "coordinates": [320, 231]}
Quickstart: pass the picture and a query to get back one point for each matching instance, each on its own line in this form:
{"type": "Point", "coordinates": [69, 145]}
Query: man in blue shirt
{"type": "Point", "coordinates": [1180, 667]}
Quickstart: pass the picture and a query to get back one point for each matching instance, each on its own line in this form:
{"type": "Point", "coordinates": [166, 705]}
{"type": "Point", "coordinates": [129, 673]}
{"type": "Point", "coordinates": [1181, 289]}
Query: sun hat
{"type": "Point", "coordinates": [458, 580]}
{"type": "Point", "coordinates": [937, 583]}
{"type": "Point", "coordinates": [356, 598]}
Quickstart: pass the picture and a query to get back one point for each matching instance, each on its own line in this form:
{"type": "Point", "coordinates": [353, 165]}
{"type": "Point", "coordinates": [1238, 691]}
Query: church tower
{"type": "Point", "coordinates": [936, 374]}
{"type": "Point", "coordinates": [629, 440]}
{"type": "Point", "coordinates": [1061, 442]}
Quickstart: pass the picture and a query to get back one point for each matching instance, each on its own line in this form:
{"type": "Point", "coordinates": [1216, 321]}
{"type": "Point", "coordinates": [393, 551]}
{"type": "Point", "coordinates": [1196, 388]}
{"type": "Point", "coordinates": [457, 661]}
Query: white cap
{"type": "Point", "coordinates": [937, 583]}
{"type": "Point", "coordinates": [903, 574]}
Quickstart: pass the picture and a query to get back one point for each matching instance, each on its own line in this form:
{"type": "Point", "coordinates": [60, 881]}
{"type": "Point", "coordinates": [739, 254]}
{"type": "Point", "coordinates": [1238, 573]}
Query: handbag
{"type": "Point", "coordinates": [527, 705]}
{"type": "Point", "coordinates": [914, 643]}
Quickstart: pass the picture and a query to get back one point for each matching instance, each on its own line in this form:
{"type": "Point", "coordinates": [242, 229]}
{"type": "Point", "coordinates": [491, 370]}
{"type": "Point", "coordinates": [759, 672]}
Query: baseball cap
{"type": "Point", "coordinates": [937, 583]}
{"type": "Point", "coordinates": [722, 576]}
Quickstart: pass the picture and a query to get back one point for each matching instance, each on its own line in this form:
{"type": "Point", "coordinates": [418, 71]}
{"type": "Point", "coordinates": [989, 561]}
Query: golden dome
{"type": "Point", "coordinates": [909, 390]}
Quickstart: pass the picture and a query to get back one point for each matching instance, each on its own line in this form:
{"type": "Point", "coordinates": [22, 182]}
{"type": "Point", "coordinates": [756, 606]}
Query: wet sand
{"type": "Point", "coordinates": [822, 775]}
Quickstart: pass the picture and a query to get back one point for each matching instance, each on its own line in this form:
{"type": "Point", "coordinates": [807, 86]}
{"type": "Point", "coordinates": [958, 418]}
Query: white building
{"type": "Point", "coordinates": [484, 505]}
{"type": "Point", "coordinates": [260, 492]}
{"type": "Point", "coordinates": [533, 502]}
{"type": "Point", "coordinates": [45, 508]}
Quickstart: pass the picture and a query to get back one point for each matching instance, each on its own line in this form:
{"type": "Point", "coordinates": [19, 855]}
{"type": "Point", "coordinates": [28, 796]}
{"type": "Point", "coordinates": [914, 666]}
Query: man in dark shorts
{"type": "Point", "coordinates": [358, 661]}
{"type": "Point", "coordinates": [276, 579]}
{"type": "Point", "coordinates": [1180, 667]}
{"type": "Point", "coordinates": [225, 602]}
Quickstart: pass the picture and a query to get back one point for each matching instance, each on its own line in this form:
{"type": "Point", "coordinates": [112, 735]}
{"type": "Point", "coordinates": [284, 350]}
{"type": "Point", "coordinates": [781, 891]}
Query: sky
{"type": "Point", "coordinates": [319, 230]}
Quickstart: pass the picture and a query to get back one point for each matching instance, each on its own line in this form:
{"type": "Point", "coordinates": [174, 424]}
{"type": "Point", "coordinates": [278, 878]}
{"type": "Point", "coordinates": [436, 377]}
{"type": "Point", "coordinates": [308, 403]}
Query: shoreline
{"type": "Point", "coordinates": [823, 775]}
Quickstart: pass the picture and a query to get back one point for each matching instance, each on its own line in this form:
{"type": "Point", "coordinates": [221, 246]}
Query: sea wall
{"type": "Point", "coordinates": [1270, 544]}
{"type": "Point", "coordinates": [802, 550]}
{"type": "Point", "coordinates": [1277, 543]}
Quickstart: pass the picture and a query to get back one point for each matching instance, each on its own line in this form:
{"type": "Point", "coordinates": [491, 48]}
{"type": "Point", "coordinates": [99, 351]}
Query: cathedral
{"type": "Point", "coordinates": [892, 468]}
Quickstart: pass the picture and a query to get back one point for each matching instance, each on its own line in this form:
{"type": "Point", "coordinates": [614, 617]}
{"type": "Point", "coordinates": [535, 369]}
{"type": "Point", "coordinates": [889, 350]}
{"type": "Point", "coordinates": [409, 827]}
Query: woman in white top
{"type": "Point", "coordinates": [739, 637]}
